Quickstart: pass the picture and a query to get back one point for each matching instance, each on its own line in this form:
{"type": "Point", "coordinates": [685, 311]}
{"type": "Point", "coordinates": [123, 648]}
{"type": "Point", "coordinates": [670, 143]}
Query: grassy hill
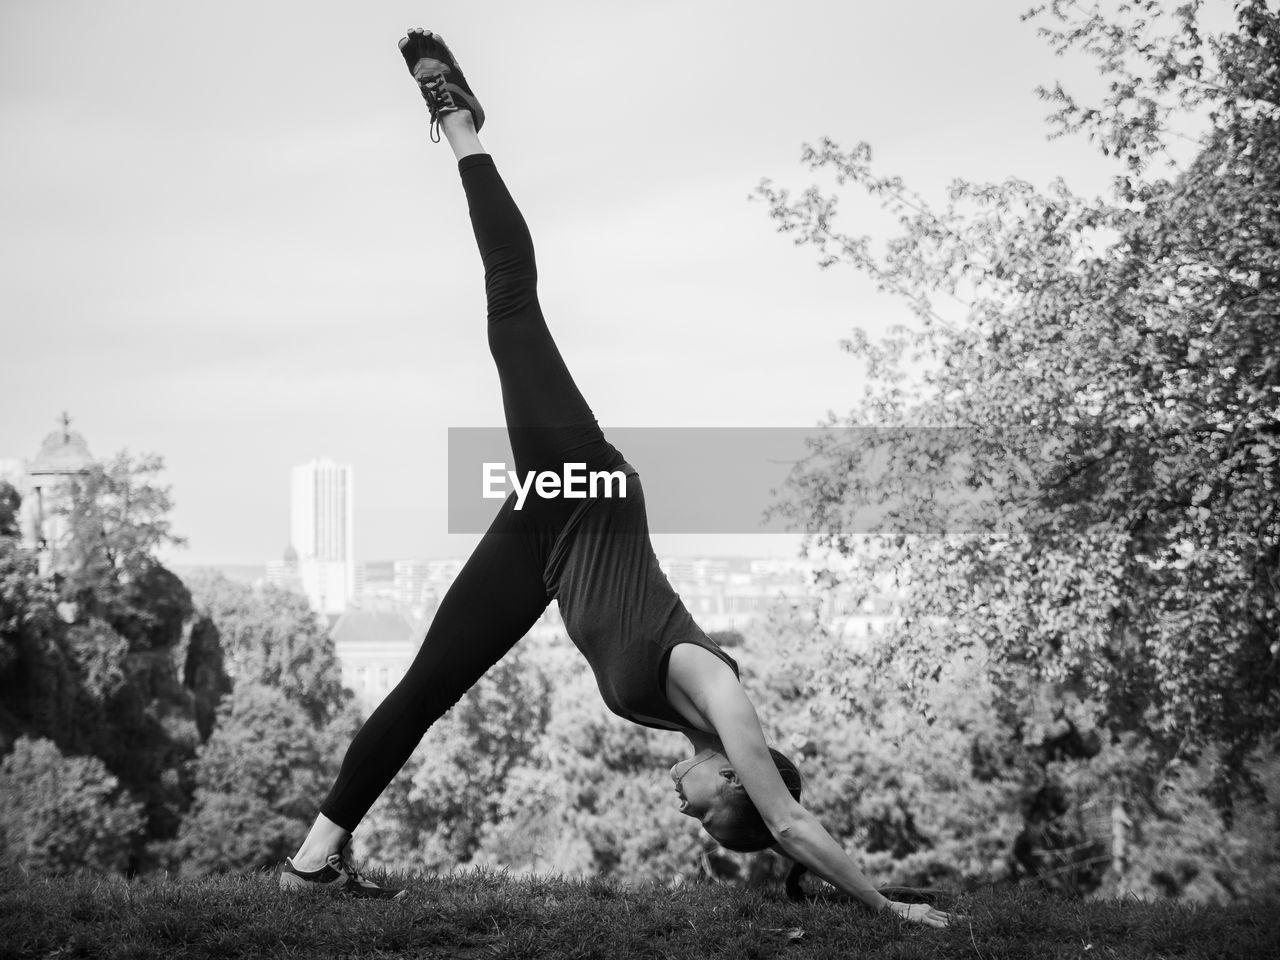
{"type": "Point", "coordinates": [491, 915]}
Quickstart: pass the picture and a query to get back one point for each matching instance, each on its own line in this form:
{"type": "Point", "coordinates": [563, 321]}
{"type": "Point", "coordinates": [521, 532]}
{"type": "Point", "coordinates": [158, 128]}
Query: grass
{"type": "Point", "coordinates": [490, 915]}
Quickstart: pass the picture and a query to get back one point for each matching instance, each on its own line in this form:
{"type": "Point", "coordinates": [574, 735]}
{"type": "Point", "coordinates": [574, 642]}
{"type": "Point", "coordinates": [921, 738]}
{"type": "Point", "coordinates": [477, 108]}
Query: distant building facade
{"type": "Point", "coordinates": [375, 648]}
{"type": "Point", "coordinates": [283, 573]}
{"type": "Point", "coordinates": [421, 584]}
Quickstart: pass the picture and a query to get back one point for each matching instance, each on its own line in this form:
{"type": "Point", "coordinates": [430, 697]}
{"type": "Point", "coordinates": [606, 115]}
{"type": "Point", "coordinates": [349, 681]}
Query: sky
{"type": "Point", "coordinates": [227, 239]}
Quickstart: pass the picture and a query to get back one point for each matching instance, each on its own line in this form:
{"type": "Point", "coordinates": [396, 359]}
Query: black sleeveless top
{"type": "Point", "coordinates": [618, 607]}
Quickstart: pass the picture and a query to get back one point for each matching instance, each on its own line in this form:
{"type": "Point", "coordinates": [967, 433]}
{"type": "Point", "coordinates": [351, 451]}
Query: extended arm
{"type": "Point", "coordinates": [716, 694]}
{"type": "Point", "coordinates": [797, 832]}
{"type": "Point", "coordinates": [805, 840]}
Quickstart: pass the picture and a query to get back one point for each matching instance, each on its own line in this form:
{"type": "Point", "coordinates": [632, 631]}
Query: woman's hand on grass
{"type": "Point", "coordinates": [919, 913]}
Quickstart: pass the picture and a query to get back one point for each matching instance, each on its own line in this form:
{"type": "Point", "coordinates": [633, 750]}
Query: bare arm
{"type": "Point", "coordinates": [805, 840]}
{"type": "Point", "coordinates": [712, 688]}
{"type": "Point", "coordinates": [809, 843]}
{"type": "Point", "coordinates": [798, 833]}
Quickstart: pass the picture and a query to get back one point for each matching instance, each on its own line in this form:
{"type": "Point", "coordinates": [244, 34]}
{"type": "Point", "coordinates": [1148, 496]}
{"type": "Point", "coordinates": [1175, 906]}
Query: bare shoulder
{"type": "Point", "coordinates": [722, 704]}
{"type": "Point", "coordinates": [692, 666]}
{"type": "Point", "coordinates": [696, 676]}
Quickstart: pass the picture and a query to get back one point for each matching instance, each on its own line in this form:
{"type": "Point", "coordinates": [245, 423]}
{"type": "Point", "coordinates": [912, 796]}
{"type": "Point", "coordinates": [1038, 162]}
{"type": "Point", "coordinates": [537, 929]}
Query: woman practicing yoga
{"type": "Point", "coordinates": [654, 665]}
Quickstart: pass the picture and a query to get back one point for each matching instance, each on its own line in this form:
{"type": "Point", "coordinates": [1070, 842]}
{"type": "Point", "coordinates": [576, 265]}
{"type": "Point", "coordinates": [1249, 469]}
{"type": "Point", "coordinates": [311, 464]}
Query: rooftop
{"type": "Point", "coordinates": [63, 452]}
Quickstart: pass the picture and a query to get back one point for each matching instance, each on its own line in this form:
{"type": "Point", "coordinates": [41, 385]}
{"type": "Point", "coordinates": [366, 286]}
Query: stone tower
{"type": "Point", "coordinates": [63, 456]}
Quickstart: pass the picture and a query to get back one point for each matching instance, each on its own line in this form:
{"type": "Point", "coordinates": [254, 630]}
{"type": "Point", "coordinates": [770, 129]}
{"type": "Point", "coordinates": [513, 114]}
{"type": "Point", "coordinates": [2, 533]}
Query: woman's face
{"type": "Point", "coordinates": [698, 781]}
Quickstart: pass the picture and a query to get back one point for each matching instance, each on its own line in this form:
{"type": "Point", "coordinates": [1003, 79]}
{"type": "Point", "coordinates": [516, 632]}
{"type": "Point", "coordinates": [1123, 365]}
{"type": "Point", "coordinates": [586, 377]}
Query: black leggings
{"type": "Point", "coordinates": [499, 593]}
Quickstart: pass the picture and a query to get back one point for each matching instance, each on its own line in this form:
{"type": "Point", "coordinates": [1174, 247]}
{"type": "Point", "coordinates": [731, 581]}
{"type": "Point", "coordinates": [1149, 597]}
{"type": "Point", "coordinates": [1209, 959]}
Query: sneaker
{"type": "Point", "coordinates": [336, 876]}
{"type": "Point", "coordinates": [441, 80]}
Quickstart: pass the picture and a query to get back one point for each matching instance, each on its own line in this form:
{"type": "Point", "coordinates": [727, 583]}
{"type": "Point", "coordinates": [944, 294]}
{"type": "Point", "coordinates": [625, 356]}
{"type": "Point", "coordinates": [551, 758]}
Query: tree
{"type": "Point", "coordinates": [38, 687]}
{"type": "Point", "coordinates": [593, 797]}
{"type": "Point", "coordinates": [1101, 489]}
{"type": "Point", "coordinates": [435, 812]}
{"type": "Point", "coordinates": [916, 801]}
{"type": "Point", "coordinates": [118, 516]}
{"type": "Point", "coordinates": [202, 668]}
{"type": "Point", "coordinates": [259, 780]}
{"type": "Point", "coordinates": [10, 505]}
{"type": "Point", "coordinates": [275, 742]}
{"type": "Point", "coordinates": [273, 638]}
{"type": "Point", "coordinates": [94, 657]}
{"type": "Point", "coordinates": [59, 814]}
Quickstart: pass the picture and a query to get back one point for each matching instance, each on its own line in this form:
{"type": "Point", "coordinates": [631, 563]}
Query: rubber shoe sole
{"type": "Point", "coordinates": [426, 55]}
{"type": "Point", "coordinates": [335, 878]}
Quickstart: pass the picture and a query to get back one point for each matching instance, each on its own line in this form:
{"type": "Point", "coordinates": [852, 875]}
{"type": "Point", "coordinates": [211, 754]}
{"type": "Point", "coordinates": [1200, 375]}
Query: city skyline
{"type": "Point", "coordinates": [304, 542]}
{"type": "Point", "coordinates": [376, 638]}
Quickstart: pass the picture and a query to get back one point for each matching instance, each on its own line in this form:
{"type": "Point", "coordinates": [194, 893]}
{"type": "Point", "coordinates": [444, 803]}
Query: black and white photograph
{"type": "Point", "coordinates": [657, 480]}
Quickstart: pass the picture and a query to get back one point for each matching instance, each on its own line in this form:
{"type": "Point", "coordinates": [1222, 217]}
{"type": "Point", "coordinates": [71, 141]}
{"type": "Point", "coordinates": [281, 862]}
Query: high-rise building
{"type": "Point", "coordinates": [322, 510]}
{"type": "Point", "coordinates": [322, 533]}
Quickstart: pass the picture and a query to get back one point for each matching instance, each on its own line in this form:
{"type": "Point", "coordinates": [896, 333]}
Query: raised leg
{"type": "Point", "coordinates": [460, 130]}
{"type": "Point", "coordinates": [548, 420]}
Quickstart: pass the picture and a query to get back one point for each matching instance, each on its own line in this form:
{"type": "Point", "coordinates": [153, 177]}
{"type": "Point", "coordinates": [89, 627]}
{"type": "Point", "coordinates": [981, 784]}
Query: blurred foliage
{"type": "Point", "coordinates": [432, 815]}
{"type": "Point", "coordinates": [594, 796]}
{"type": "Point", "coordinates": [951, 799]}
{"type": "Point", "coordinates": [259, 780]}
{"type": "Point", "coordinates": [93, 656]}
{"type": "Point", "coordinates": [118, 516]}
{"type": "Point", "coordinates": [273, 638]}
{"type": "Point", "coordinates": [39, 687]}
{"type": "Point", "coordinates": [1106, 378]}
{"type": "Point", "coordinates": [62, 814]}
{"type": "Point", "coordinates": [277, 739]}
{"type": "Point", "coordinates": [10, 504]}
{"type": "Point", "coordinates": [112, 659]}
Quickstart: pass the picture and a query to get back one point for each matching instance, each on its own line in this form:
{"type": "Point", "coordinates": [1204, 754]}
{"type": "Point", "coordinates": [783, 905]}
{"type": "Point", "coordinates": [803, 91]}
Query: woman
{"type": "Point", "coordinates": [653, 664]}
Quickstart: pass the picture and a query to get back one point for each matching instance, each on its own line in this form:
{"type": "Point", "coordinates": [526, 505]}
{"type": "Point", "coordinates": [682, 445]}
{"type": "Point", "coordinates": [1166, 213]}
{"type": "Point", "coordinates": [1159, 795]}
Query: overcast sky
{"type": "Point", "coordinates": [227, 239]}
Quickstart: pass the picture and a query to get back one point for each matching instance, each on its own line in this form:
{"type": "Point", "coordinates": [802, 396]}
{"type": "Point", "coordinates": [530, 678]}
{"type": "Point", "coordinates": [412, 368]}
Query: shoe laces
{"type": "Point", "coordinates": [439, 100]}
{"type": "Point", "coordinates": [345, 866]}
